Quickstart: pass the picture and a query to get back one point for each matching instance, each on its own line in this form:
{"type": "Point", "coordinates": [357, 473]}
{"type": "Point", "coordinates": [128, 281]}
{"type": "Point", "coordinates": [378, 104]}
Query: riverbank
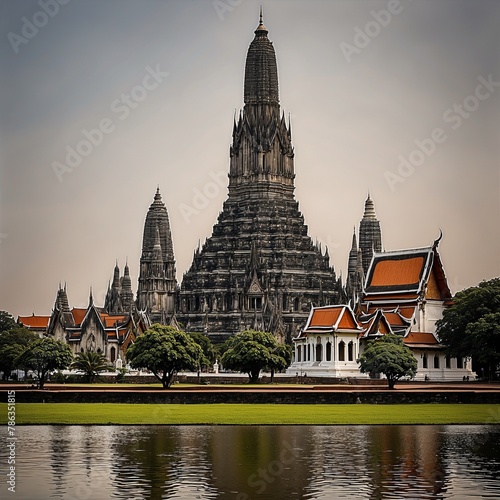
{"type": "Point", "coordinates": [472, 393]}
{"type": "Point", "coordinates": [251, 414]}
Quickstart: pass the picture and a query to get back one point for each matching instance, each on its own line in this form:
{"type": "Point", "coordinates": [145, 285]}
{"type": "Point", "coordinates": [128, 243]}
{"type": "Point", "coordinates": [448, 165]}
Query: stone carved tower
{"type": "Point", "coordinates": [355, 274]}
{"type": "Point", "coordinates": [259, 269]}
{"type": "Point", "coordinates": [119, 297]}
{"type": "Point", "coordinates": [370, 236]}
{"type": "Point", "coordinates": [157, 281]}
{"type": "Point", "coordinates": [370, 240]}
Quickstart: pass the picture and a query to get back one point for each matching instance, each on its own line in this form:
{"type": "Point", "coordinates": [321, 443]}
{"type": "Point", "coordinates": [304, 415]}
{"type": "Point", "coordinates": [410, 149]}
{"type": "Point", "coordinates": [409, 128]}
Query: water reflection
{"type": "Point", "coordinates": [226, 462]}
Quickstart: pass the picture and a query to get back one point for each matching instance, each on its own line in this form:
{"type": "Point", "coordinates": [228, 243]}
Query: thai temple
{"type": "Point", "coordinates": [404, 293]}
{"type": "Point", "coordinates": [260, 269]}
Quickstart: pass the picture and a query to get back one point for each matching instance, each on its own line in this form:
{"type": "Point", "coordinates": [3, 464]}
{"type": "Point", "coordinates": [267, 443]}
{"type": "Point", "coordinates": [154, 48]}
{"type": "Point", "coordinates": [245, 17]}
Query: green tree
{"type": "Point", "coordinates": [252, 351]}
{"type": "Point", "coordinates": [91, 363]}
{"type": "Point", "coordinates": [13, 341]}
{"type": "Point", "coordinates": [388, 355]}
{"type": "Point", "coordinates": [470, 327]}
{"type": "Point", "coordinates": [209, 354]}
{"type": "Point", "coordinates": [281, 357]}
{"type": "Point", "coordinates": [6, 321]}
{"type": "Point", "coordinates": [44, 355]}
{"type": "Point", "coordinates": [164, 351]}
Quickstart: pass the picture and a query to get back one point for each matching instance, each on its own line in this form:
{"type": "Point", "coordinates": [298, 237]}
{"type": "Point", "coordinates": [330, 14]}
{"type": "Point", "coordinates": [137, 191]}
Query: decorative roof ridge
{"type": "Point", "coordinates": [331, 306]}
{"type": "Point", "coordinates": [407, 251]}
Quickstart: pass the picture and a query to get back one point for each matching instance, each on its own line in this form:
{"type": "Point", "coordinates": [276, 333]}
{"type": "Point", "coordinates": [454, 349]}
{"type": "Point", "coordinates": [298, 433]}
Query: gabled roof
{"type": "Point", "coordinates": [398, 272]}
{"type": "Point", "coordinates": [398, 322]}
{"type": "Point", "coordinates": [34, 322]}
{"type": "Point", "coordinates": [404, 275]}
{"type": "Point", "coordinates": [422, 340]}
{"type": "Point", "coordinates": [78, 314]}
{"type": "Point", "coordinates": [113, 320]}
{"type": "Point", "coordinates": [374, 324]}
{"type": "Point", "coordinates": [329, 319]}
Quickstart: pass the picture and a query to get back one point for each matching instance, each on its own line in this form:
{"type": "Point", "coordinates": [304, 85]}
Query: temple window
{"type": "Point", "coordinates": [342, 351]}
{"type": "Point", "coordinates": [350, 351]}
{"type": "Point", "coordinates": [328, 351]}
{"type": "Point", "coordinates": [319, 352]}
{"type": "Point", "coordinates": [436, 361]}
{"type": "Point", "coordinates": [424, 361]}
{"type": "Point", "coordinates": [255, 303]}
{"type": "Point", "coordinates": [448, 362]}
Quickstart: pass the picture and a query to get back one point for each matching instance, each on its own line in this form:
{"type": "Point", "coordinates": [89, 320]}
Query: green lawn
{"type": "Point", "coordinates": [251, 414]}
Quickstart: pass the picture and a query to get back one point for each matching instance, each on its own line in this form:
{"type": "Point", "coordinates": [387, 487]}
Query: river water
{"type": "Point", "coordinates": [254, 462]}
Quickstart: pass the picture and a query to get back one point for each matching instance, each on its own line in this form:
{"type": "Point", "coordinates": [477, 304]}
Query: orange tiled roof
{"type": "Point", "coordinates": [407, 312]}
{"type": "Point", "coordinates": [331, 317]}
{"type": "Point", "coordinates": [420, 338]}
{"type": "Point", "coordinates": [78, 314]}
{"type": "Point", "coordinates": [394, 319]}
{"type": "Point", "coordinates": [347, 321]}
{"type": "Point", "coordinates": [111, 320]}
{"type": "Point", "coordinates": [34, 321]}
{"type": "Point", "coordinates": [325, 317]}
{"type": "Point", "coordinates": [394, 272]}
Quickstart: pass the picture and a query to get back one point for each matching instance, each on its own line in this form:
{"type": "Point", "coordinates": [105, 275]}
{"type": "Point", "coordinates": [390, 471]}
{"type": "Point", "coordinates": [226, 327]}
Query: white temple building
{"type": "Point", "coordinates": [405, 292]}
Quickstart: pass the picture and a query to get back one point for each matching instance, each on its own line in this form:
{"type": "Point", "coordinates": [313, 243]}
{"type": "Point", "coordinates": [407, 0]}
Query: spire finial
{"type": "Point", "coordinates": [369, 209]}
{"type": "Point", "coordinates": [261, 29]}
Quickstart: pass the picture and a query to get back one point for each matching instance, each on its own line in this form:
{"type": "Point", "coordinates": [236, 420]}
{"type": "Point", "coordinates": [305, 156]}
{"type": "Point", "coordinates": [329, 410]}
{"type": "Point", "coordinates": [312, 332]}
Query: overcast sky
{"type": "Point", "coordinates": [162, 80]}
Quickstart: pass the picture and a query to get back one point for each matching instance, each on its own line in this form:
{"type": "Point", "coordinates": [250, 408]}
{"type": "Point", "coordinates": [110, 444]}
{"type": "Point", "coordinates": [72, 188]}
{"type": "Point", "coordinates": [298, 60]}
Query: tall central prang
{"type": "Point", "coordinates": [261, 154]}
{"type": "Point", "coordinates": [259, 269]}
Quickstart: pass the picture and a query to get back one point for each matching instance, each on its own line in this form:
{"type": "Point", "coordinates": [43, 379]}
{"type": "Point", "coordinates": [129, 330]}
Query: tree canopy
{"type": "Point", "coordinates": [209, 354]}
{"type": "Point", "coordinates": [44, 355]}
{"type": "Point", "coordinates": [13, 341]}
{"type": "Point", "coordinates": [91, 363]}
{"type": "Point", "coordinates": [252, 351]}
{"type": "Point", "coordinates": [6, 321]}
{"type": "Point", "coordinates": [471, 326]}
{"type": "Point", "coordinates": [164, 351]}
{"type": "Point", "coordinates": [388, 355]}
